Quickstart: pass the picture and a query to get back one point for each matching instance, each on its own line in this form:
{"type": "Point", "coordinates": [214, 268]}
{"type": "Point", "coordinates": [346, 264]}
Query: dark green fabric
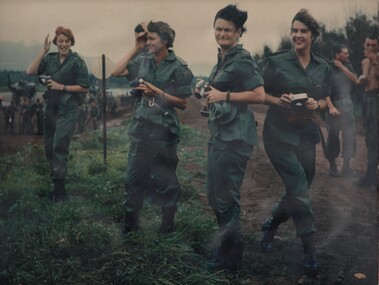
{"type": "Point", "coordinates": [234, 133]}
{"type": "Point", "coordinates": [296, 167]}
{"type": "Point", "coordinates": [237, 72]}
{"type": "Point", "coordinates": [60, 117]}
{"type": "Point", "coordinates": [290, 134]}
{"type": "Point", "coordinates": [284, 74]}
{"type": "Point", "coordinates": [151, 168]}
{"type": "Point", "coordinates": [155, 132]}
{"type": "Point", "coordinates": [172, 76]}
{"type": "Point", "coordinates": [370, 116]}
{"type": "Point", "coordinates": [226, 168]}
{"type": "Point", "coordinates": [59, 126]}
{"type": "Point", "coordinates": [73, 71]}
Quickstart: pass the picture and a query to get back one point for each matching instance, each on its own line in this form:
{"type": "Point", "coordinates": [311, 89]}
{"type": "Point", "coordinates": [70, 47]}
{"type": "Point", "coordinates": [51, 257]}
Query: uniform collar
{"type": "Point", "coordinates": [314, 56]}
{"type": "Point", "coordinates": [231, 51]}
{"type": "Point", "coordinates": [170, 57]}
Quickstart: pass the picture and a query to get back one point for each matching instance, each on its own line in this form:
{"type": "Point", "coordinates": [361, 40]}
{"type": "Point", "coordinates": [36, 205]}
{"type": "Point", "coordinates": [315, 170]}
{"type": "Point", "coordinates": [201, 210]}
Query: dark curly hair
{"type": "Point", "coordinates": [64, 31]}
{"type": "Point", "coordinates": [233, 14]}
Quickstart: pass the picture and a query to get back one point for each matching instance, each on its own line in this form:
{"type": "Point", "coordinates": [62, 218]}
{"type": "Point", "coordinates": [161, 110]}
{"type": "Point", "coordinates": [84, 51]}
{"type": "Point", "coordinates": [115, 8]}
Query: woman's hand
{"type": "Point", "coordinates": [311, 104]}
{"type": "Point", "coordinates": [141, 39]}
{"type": "Point", "coordinates": [285, 100]}
{"type": "Point", "coordinates": [53, 85]}
{"type": "Point", "coordinates": [215, 95]}
{"type": "Point", "coordinates": [334, 111]}
{"type": "Point", "coordinates": [47, 44]}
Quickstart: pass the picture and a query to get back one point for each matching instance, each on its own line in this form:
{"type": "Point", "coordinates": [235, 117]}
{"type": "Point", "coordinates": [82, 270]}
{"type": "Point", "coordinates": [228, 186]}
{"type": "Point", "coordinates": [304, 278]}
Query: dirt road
{"type": "Point", "coordinates": [346, 217]}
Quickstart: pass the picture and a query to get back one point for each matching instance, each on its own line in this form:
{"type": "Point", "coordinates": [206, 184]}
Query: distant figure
{"type": "Point", "coordinates": [39, 116]}
{"type": "Point", "coordinates": [69, 81]}
{"type": "Point", "coordinates": [370, 108]}
{"type": "Point", "coordinates": [26, 116]}
{"type": "Point", "coordinates": [340, 113]}
{"type": "Point", "coordinates": [94, 114]}
{"type": "Point", "coordinates": [82, 118]}
{"type": "Point", "coordinates": [9, 116]}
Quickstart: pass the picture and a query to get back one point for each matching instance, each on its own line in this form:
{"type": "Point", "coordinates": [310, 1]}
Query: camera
{"type": "Point", "coordinates": [136, 83]}
{"type": "Point", "coordinates": [203, 87]}
{"type": "Point", "coordinates": [299, 99]}
{"type": "Point", "coordinates": [44, 78]}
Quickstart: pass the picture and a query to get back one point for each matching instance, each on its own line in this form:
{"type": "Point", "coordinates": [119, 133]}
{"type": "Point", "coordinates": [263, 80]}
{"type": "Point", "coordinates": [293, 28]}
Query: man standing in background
{"type": "Point", "coordinates": [370, 78]}
{"type": "Point", "coordinates": [340, 113]}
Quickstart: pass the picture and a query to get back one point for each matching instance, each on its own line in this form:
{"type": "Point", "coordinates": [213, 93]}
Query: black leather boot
{"type": "Point", "coordinates": [311, 266]}
{"type": "Point", "coordinates": [333, 171]}
{"type": "Point", "coordinates": [229, 255]}
{"type": "Point", "coordinates": [168, 216]}
{"type": "Point", "coordinates": [131, 222]}
{"type": "Point", "coordinates": [269, 229]}
{"type": "Point", "coordinates": [59, 193]}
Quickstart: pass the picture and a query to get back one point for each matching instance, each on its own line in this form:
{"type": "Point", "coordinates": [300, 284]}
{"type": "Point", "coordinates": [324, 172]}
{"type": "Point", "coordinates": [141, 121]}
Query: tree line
{"type": "Point", "coordinates": [352, 34]}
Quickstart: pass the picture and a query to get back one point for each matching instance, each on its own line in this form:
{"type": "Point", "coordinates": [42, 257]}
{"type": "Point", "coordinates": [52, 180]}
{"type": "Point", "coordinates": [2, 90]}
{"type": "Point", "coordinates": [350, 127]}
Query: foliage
{"type": "Point", "coordinates": [80, 241]}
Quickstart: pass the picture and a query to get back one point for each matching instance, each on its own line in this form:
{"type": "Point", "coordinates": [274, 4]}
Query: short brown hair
{"type": "Point", "coordinates": [307, 19]}
{"type": "Point", "coordinates": [64, 31]}
{"type": "Point", "coordinates": [164, 31]}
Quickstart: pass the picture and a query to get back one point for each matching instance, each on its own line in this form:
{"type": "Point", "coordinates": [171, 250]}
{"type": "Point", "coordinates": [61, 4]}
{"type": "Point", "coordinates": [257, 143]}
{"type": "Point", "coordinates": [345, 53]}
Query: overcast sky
{"type": "Point", "coordinates": [106, 26]}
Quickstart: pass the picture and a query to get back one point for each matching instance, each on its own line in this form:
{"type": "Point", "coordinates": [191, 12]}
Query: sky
{"type": "Point", "coordinates": [106, 26]}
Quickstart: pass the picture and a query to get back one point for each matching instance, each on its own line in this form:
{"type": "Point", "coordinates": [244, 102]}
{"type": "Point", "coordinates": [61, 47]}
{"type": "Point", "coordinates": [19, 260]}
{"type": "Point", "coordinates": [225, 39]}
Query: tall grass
{"type": "Point", "coordinates": [80, 240]}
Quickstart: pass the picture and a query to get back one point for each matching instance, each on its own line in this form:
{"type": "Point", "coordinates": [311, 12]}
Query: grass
{"type": "Point", "coordinates": [80, 241]}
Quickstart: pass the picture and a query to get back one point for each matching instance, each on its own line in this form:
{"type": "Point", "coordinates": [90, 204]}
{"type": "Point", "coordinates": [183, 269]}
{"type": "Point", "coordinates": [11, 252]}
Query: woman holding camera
{"type": "Point", "coordinates": [235, 82]}
{"type": "Point", "coordinates": [68, 81]}
{"type": "Point", "coordinates": [164, 84]}
{"type": "Point", "coordinates": [291, 132]}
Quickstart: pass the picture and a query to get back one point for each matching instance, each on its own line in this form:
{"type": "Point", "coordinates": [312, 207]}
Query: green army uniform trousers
{"type": "Point", "coordinates": [226, 169]}
{"type": "Point", "coordinates": [151, 166]}
{"type": "Point", "coordinates": [296, 167]}
{"type": "Point", "coordinates": [371, 127]}
{"type": "Point", "coordinates": [60, 120]}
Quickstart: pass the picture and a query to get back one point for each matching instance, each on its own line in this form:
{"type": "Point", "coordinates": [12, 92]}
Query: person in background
{"type": "Point", "coordinates": [340, 113]}
{"type": "Point", "coordinates": [68, 83]}
{"type": "Point", "coordinates": [94, 114]}
{"type": "Point", "coordinates": [39, 116]}
{"type": "Point", "coordinates": [296, 84]}
{"type": "Point", "coordinates": [235, 82]}
{"type": "Point", "coordinates": [370, 79]}
{"type": "Point", "coordinates": [162, 84]}
{"type": "Point", "coordinates": [9, 116]}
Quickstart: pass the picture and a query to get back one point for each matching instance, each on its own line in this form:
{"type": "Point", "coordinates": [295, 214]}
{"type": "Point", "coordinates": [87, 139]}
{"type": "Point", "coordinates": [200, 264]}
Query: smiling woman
{"type": "Point", "coordinates": [68, 80]}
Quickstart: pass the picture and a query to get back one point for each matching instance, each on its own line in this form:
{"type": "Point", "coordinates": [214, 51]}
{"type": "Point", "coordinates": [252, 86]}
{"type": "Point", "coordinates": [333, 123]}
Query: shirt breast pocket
{"type": "Point", "coordinates": [315, 87]}
{"type": "Point", "coordinates": [224, 80]}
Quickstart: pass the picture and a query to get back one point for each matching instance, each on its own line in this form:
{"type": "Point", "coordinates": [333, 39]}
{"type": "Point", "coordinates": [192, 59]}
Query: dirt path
{"type": "Point", "coordinates": [346, 217]}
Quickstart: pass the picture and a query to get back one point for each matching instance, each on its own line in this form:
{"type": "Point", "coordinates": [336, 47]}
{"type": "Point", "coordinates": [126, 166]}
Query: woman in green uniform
{"type": "Point", "coordinates": [235, 82]}
{"type": "Point", "coordinates": [164, 84]}
{"type": "Point", "coordinates": [67, 85]}
{"type": "Point", "coordinates": [291, 132]}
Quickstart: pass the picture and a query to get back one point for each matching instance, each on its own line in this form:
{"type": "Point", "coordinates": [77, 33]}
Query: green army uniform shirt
{"type": "Point", "coordinates": [73, 71]}
{"type": "Point", "coordinates": [171, 75]}
{"type": "Point", "coordinates": [283, 74]}
{"type": "Point", "coordinates": [237, 72]}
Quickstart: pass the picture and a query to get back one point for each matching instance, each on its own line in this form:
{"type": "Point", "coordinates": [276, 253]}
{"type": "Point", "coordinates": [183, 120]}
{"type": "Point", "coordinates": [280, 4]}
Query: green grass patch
{"type": "Point", "coordinates": [80, 240]}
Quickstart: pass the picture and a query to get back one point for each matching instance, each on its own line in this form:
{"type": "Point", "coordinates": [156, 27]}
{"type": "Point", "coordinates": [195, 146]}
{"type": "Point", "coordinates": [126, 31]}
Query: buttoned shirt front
{"type": "Point", "coordinates": [73, 70]}
{"type": "Point", "coordinates": [283, 74]}
{"type": "Point", "coordinates": [237, 72]}
{"type": "Point", "coordinates": [171, 75]}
